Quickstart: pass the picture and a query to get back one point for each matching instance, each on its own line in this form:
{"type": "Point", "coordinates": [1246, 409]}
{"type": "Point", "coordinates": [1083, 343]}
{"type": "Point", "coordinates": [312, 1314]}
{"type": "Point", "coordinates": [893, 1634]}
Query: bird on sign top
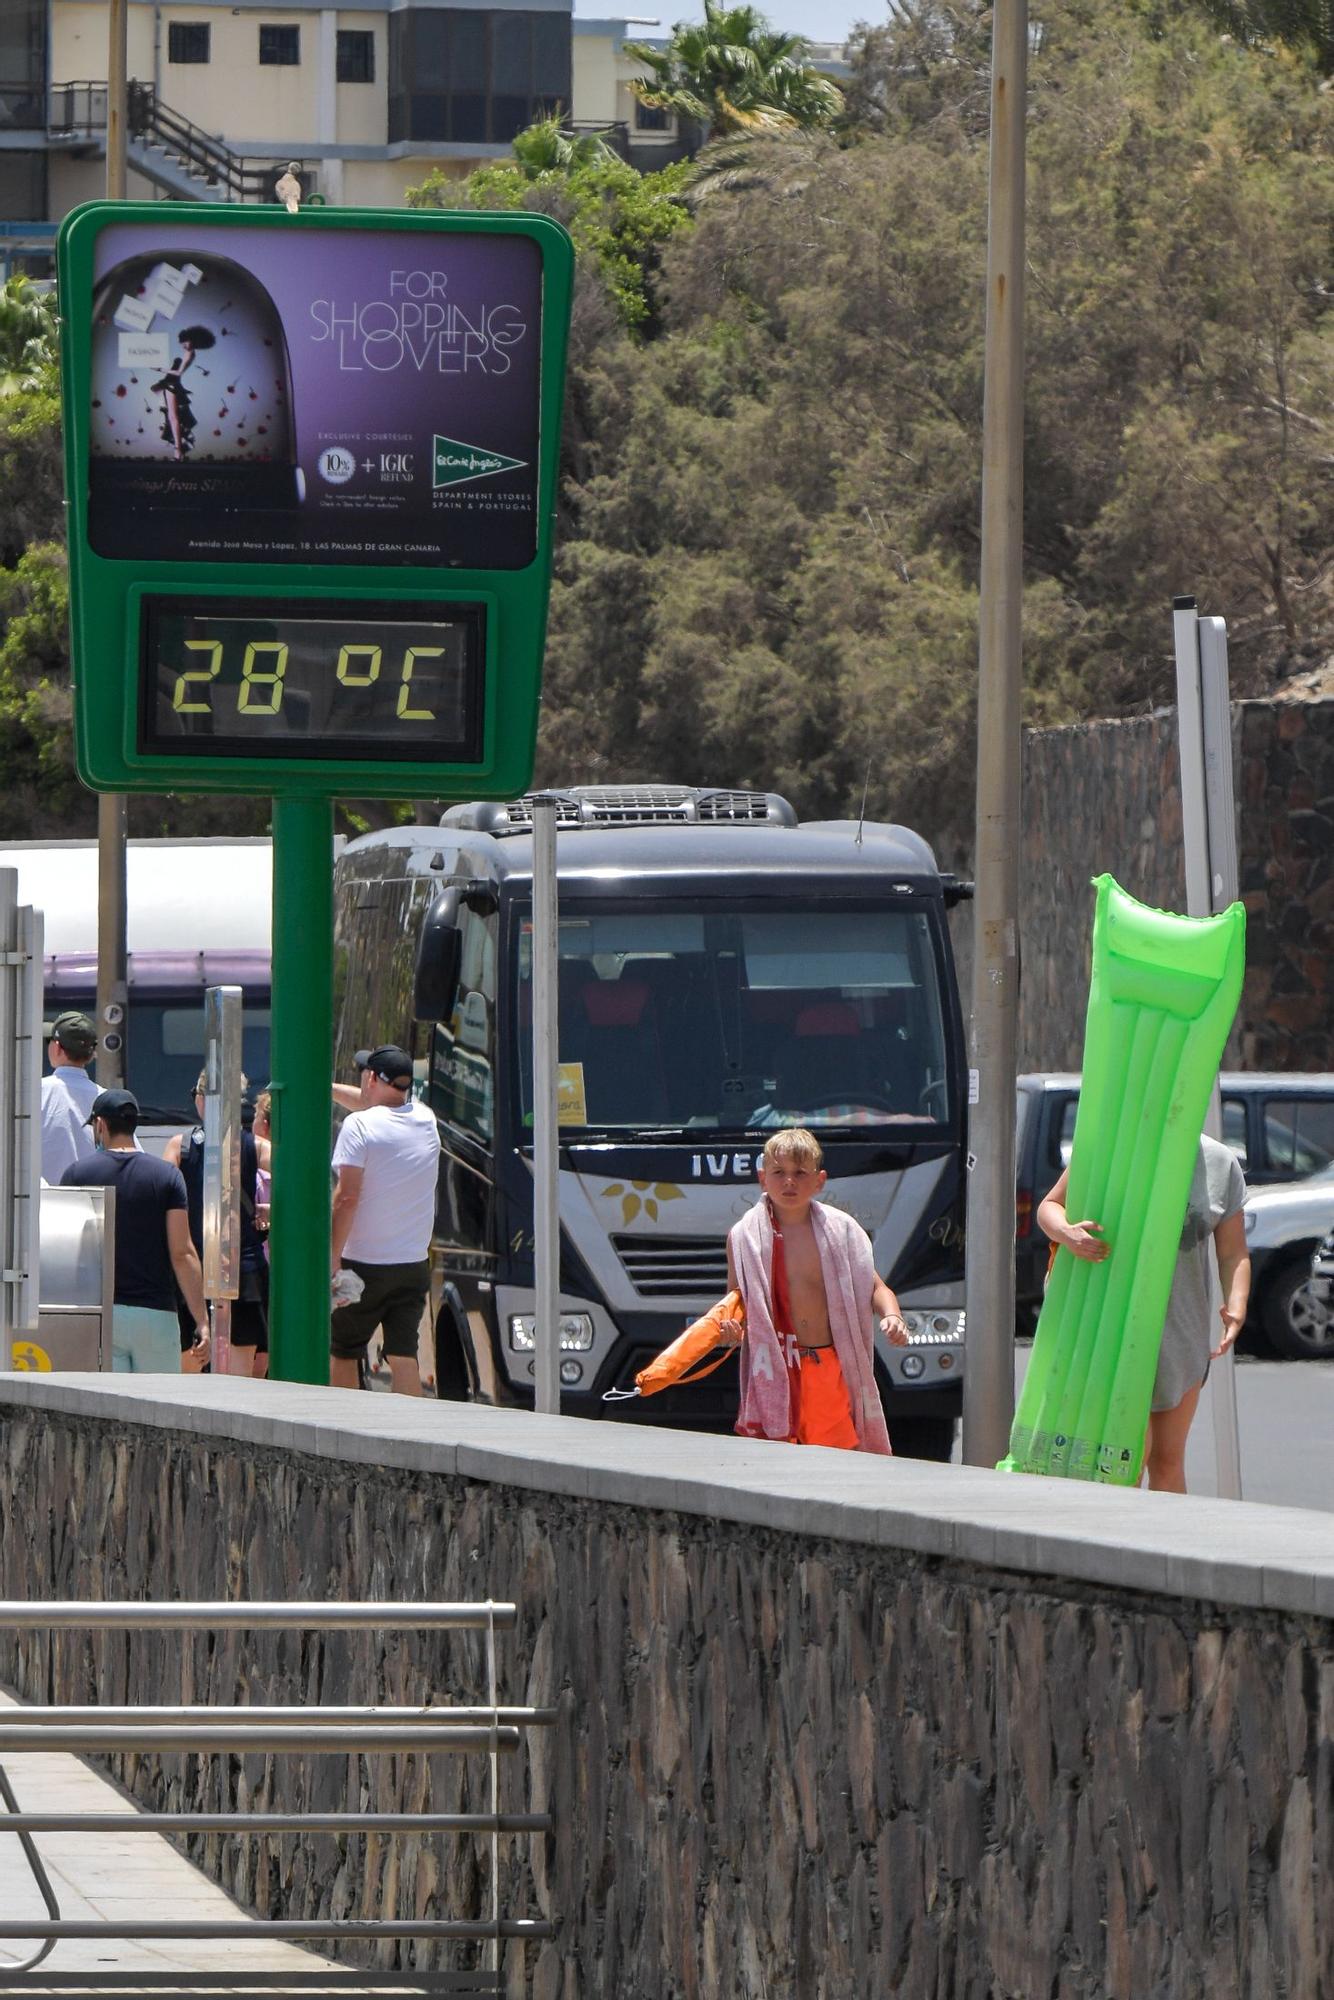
{"type": "Point", "coordinates": [288, 189]}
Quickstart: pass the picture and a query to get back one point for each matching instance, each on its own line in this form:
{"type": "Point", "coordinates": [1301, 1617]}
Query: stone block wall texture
{"type": "Point", "coordinates": [786, 1769]}
{"type": "Point", "coordinates": [1105, 796]}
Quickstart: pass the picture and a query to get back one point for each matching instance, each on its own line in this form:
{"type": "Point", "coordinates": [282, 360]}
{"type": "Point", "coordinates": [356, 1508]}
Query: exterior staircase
{"type": "Point", "coordinates": [175, 155]}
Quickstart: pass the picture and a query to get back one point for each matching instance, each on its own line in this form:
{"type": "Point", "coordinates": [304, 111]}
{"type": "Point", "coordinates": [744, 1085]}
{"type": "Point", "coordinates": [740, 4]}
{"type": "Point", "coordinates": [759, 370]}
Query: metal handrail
{"type": "Point", "coordinates": [39, 1718]}
{"type": "Point", "coordinates": [190, 1728]}
{"type": "Point", "coordinates": [292, 1929]}
{"type": "Point", "coordinates": [291, 1736]}
{"type": "Point", "coordinates": [273, 1822]}
{"type": "Point", "coordinates": [81, 106]}
{"type": "Point", "coordinates": [240, 1615]}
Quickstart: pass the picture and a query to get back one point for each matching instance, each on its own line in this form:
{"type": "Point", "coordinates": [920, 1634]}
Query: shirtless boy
{"type": "Point", "coordinates": [809, 1284]}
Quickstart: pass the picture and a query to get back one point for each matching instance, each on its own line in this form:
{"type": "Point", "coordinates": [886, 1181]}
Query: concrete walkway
{"type": "Point", "coordinates": [98, 1877]}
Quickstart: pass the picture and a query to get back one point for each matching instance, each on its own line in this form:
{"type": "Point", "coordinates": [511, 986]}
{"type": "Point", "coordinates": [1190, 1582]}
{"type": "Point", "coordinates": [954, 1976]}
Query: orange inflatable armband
{"type": "Point", "coordinates": [688, 1358]}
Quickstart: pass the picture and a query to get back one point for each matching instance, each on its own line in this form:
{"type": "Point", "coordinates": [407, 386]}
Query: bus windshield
{"type": "Point", "coordinates": [675, 1019]}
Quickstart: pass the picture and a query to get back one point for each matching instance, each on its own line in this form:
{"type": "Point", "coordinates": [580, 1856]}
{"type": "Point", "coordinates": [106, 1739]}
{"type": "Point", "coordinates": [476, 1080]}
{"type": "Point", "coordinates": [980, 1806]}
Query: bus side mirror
{"type": "Point", "coordinates": [436, 980]}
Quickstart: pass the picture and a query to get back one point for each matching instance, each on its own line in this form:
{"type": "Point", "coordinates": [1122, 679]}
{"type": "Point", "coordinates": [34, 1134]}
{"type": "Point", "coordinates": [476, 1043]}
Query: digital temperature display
{"type": "Point", "coordinates": [357, 679]}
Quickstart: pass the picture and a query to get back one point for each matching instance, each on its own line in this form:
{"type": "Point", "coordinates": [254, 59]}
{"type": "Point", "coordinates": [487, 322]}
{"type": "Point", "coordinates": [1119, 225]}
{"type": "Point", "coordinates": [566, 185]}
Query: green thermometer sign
{"type": "Point", "coordinates": [311, 466]}
{"type": "Point", "coordinates": [311, 472]}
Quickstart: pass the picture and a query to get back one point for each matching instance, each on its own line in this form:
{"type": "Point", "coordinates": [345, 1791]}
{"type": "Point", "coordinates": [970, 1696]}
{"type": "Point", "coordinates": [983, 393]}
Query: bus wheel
{"type": "Point", "coordinates": [922, 1437]}
{"type": "Point", "coordinates": [452, 1381]}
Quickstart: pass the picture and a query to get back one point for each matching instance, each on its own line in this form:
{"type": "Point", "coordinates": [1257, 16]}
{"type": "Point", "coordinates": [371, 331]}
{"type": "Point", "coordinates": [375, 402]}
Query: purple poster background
{"type": "Point", "coordinates": [312, 395]}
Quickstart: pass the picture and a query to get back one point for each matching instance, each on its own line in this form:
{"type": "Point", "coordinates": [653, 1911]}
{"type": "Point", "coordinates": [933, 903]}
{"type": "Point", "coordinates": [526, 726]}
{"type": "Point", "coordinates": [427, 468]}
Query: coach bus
{"type": "Point", "coordinates": [723, 971]}
{"type": "Point", "coordinates": [198, 913]}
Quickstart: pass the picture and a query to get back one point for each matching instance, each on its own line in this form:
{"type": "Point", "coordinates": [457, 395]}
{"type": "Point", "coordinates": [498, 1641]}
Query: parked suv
{"type": "Point", "coordinates": [1281, 1128]}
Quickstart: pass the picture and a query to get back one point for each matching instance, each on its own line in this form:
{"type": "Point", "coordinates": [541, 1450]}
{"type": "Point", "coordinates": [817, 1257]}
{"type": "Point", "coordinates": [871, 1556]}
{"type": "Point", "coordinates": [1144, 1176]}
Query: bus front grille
{"type": "Point", "coordinates": [674, 1266]}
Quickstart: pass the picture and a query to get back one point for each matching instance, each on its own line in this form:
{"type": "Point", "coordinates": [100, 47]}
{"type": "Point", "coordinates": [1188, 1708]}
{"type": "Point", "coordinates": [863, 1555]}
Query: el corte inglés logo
{"type": "Point", "coordinates": [457, 463]}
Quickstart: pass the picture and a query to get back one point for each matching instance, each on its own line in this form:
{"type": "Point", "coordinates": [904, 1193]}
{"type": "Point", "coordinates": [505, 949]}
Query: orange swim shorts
{"type": "Point", "coordinates": [823, 1406]}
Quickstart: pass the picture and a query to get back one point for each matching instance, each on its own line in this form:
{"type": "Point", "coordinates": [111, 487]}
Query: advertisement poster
{"type": "Point", "coordinates": [359, 396]}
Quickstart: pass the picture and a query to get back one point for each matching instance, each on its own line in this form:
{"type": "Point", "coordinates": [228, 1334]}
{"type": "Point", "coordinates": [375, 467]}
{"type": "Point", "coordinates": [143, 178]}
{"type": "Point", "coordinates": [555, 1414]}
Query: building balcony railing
{"type": "Point", "coordinates": [77, 111]}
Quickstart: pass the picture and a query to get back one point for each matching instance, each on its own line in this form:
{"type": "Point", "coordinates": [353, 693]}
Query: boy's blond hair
{"type": "Point", "coordinates": [796, 1143]}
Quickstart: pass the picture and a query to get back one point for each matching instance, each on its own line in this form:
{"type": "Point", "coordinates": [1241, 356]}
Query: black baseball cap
{"type": "Point", "coordinates": [114, 1104]}
{"type": "Point", "coordinates": [362, 1059]}
{"type": "Point", "coordinates": [75, 1033]}
{"type": "Point", "coordinates": [391, 1064]}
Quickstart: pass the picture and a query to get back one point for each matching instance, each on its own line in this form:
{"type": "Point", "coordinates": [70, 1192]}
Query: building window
{"type": "Point", "coordinates": [356, 55]}
{"type": "Point", "coordinates": [652, 118]}
{"type": "Point", "coordinates": [187, 41]}
{"type": "Point", "coordinates": [281, 46]}
{"type": "Point", "coordinates": [475, 76]}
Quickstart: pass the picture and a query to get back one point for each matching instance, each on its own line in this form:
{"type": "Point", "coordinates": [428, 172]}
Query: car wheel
{"type": "Point", "coordinates": [452, 1381]}
{"type": "Point", "coordinates": [1297, 1324]}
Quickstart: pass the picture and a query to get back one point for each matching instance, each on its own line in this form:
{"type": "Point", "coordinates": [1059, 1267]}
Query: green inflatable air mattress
{"type": "Point", "coordinates": [1162, 998]}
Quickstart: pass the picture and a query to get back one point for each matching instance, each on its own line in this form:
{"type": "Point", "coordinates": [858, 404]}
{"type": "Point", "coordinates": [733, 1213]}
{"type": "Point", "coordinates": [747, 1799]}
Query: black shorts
{"type": "Point", "coordinates": [250, 1313]}
{"type": "Point", "coordinates": [393, 1300]}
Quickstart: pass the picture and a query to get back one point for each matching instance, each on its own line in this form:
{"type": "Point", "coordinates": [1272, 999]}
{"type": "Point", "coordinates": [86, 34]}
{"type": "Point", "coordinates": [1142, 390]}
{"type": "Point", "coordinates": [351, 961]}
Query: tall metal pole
{"type": "Point", "coordinates": [1209, 836]}
{"type": "Point", "coordinates": [117, 96]}
{"type": "Point", "coordinates": [302, 1119]}
{"type": "Point", "coordinates": [988, 1398]}
{"type": "Point", "coordinates": [546, 1198]}
{"type": "Point", "coordinates": [112, 817]}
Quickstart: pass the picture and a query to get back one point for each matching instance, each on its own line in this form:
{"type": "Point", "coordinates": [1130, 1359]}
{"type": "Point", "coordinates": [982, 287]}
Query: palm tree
{"type": "Point", "coordinates": [547, 148]}
{"type": "Point", "coordinates": [28, 340]}
{"type": "Point", "coordinates": [734, 73]}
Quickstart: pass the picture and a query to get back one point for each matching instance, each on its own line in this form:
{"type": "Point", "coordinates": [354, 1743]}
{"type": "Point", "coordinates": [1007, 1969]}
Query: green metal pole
{"type": "Point", "coordinates": [300, 1276]}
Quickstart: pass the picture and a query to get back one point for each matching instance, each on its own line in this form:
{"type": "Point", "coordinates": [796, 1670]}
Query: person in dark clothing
{"type": "Point", "coordinates": [250, 1317]}
{"type": "Point", "coordinates": [154, 1253]}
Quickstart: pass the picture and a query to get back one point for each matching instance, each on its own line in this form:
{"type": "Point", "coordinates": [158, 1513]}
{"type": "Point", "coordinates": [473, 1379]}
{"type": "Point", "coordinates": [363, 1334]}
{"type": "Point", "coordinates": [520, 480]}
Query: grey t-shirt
{"type": "Point", "coordinates": [1217, 1190]}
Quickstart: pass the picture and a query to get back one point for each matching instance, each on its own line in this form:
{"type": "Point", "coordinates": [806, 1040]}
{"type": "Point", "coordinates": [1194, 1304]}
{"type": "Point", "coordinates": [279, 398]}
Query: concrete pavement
{"type": "Point", "coordinates": [98, 1877]}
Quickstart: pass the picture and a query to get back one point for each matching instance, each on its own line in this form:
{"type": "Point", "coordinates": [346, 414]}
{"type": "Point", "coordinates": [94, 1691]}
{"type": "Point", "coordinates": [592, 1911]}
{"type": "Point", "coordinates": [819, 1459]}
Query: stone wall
{"type": "Point", "coordinates": [1105, 796]}
{"type": "Point", "coordinates": [788, 1765]}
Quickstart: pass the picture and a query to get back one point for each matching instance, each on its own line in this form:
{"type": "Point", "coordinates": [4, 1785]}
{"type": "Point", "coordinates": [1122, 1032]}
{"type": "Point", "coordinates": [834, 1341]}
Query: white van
{"type": "Point", "coordinates": [198, 914]}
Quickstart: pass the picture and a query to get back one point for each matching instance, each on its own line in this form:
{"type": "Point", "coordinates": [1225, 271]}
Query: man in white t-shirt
{"type": "Point", "coordinates": [67, 1095]}
{"type": "Point", "coordinates": [387, 1158]}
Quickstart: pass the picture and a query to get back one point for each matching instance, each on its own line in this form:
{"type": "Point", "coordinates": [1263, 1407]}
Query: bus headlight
{"type": "Point", "coordinates": [576, 1332]}
{"type": "Point", "coordinates": [934, 1325]}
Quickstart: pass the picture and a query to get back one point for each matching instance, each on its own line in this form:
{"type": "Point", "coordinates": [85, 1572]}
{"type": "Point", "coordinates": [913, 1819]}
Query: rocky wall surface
{"type": "Point", "coordinates": [786, 1767]}
{"type": "Point", "coordinates": [1105, 796]}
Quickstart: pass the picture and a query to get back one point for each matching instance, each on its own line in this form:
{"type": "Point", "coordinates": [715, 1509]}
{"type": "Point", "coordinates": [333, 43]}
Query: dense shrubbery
{"type": "Point", "coordinates": [767, 566]}
{"type": "Point", "coordinates": [770, 569]}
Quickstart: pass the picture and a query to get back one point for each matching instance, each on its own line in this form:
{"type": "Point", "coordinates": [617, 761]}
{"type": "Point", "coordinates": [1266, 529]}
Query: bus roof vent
{"type": "Point", "coordinates": [629, 805]}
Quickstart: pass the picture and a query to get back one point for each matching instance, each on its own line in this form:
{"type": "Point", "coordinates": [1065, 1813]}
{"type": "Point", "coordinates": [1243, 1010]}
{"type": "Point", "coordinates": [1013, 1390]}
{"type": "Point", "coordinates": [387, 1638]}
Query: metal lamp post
{"type": "Point", "coordinates": [988, 1403]}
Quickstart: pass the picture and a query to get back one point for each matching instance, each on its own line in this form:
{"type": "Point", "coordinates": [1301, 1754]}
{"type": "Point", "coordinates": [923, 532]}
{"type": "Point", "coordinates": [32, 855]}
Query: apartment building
{"type": "Point", "coordinates": [369, 98]}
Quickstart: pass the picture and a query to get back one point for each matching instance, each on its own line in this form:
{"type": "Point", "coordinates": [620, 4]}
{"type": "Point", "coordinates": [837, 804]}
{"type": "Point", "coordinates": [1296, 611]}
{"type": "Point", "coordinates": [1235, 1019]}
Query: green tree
{"type": "Point", "coordinates": [735, 73]}
{"type": "Point", "coordinates": [29, 343]}
{"type": "Point", "coordinates": [1306, 26]}
{"type": "Point", "coordinates": [769, 571]}
{"type": "Point", "coordinates": [619, 218]}
{"type": "Point", "coordinates": [547, 147]}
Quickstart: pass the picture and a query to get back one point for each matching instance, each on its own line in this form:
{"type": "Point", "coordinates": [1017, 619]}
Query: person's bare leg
{"type": "Point", "coordinates": [405, 1374]}
{"type": "Point", "coordinates": [344, 1373]}
{"type": "Point", "coordinates": [261, 1364]}
{"type": "Point", "coordinates": [1165, 1457]}
{"type": "Point", "coordinates": [240, 1360]}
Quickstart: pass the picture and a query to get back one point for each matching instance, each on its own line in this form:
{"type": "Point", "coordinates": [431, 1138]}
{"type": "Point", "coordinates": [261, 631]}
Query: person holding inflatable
{"type": "Point", "coordinates": [1213, 1211]}
{"type": "Point", "coordinates": [809, 1286]}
